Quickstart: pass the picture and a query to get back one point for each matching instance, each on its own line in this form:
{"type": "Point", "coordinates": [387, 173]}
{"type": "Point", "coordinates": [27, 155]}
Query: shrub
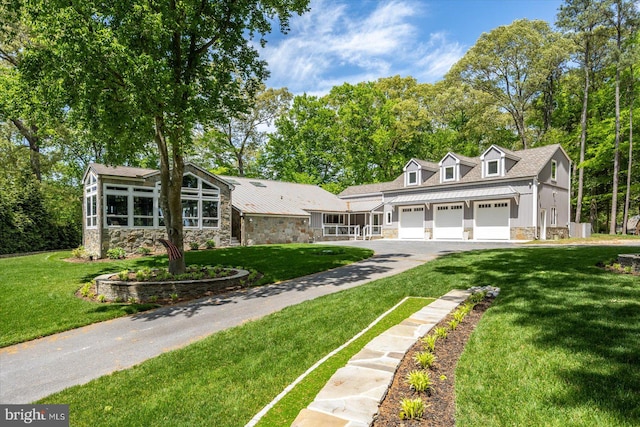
{"type": "Point", "coordinates": [143, 250]}
{"type": "Point", "coordinates": [143, 274]}
{"type": "Point", "coordinates": [123, 275]}
{"type": "Point", "coordinates": [411, 408]}
{"type": "Point", "coordinates": [79, 252]}
{"type": "Point", "coordinates": [116, 253]}
{"type": "Point", "coordinates": [425, 359]}
{"type": "Point", "coordinates": [153, 298]}
{"type": "Point", "coordinates": [194, 246]}
{"type": "Point", "coordinates": [419, 380]}
{"type": "Point", "coordinates": [210, 244]}
{"type": "Point", "coordinates": [131, 300]}
{"type": "Point", "coordinates": [430, 342]}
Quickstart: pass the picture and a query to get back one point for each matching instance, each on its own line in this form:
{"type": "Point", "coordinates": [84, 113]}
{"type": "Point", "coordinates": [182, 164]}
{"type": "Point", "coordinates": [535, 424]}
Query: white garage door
{"type": "Point", "coordinates": [447, 222]}
{"type": "Point", "coordinates": [491, 221]}
{"type": "Point", "coordinates": [411, 223]}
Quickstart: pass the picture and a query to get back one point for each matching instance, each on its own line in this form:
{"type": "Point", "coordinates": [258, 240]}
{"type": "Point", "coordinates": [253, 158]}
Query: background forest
{"type": "Point", "coordinates": [520, 86]}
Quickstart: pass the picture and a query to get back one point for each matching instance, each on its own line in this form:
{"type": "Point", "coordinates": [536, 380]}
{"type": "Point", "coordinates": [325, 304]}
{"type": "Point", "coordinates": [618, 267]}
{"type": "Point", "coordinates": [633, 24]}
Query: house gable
{"type": "Point", "coordinates": [453, 167]}
{"type": "Point", "coordinates": [497, 162]}
{"type": "Point", "coordinates": [417, 172]}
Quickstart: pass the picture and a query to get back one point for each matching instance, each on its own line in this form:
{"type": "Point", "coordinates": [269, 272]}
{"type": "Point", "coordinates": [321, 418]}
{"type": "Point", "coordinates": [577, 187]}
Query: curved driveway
{"type": "Point", "coordinates": [33, 370]}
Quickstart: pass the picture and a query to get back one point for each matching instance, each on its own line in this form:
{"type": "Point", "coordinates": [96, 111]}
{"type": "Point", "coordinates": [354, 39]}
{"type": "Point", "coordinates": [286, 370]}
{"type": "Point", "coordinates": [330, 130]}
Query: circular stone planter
{"type": "Point", "coordinates": [121, 290]}
{"type": "Point", "coordinates": [630, 260]}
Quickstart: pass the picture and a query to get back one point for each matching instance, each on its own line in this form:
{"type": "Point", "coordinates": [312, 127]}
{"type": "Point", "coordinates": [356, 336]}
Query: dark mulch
{"type": "Point", "coordinates": [440, 402]}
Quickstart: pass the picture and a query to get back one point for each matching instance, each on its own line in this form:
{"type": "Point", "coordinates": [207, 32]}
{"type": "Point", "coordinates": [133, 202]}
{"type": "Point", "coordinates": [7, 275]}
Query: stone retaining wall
{"type": "Point", "coordinates": [630, 260]}
{"type": "Point", "coordinates": [121, 290]}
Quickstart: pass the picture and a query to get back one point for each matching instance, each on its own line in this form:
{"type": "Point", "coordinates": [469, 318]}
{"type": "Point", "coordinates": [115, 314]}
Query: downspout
{"type": "Point", "coordinates": [535, 207]}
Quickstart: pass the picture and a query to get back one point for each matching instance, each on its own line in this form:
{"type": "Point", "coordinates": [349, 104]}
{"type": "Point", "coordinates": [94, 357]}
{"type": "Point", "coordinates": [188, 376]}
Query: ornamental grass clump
{"type": "Point", "coordinates": [419, 381]}
{"type": "Point", "coordinates": [441, 332]}
{"type": "Point", "coordinates": [430, 342]}
{"type": "Point", "coordinates": [411, 408]}
{"type": "Point", "coordinates": [425, 359]}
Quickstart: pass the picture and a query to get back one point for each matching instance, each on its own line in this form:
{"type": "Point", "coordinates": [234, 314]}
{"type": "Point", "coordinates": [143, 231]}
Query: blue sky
{"type": "Point", "coordinates": [352, 41]}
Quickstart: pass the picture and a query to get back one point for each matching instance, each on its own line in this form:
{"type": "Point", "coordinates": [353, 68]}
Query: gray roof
{"type": "Point", "coordinates": [123, 171]}
{"type": "Point", "coordinates": [455, 195]}
{"type": "Point", "coordinates": [261, 196]}
{"type": "Point", "coordinates": [531, 163]}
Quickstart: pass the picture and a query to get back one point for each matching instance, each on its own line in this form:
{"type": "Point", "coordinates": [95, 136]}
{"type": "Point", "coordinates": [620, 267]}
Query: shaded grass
{"type": "Point", "coordinates": [595, 238]}
{"type": "Point", "coordinates": [558, 347]}
{"type": "Point", "coordinates": [37, 291]}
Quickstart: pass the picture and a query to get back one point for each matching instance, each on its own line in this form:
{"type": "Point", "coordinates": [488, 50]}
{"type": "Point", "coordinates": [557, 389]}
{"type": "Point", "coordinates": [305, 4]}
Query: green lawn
{"type": "Point", "coordinates": [37, 291]}
{"type": "Point", "coordinates": [560, 346]}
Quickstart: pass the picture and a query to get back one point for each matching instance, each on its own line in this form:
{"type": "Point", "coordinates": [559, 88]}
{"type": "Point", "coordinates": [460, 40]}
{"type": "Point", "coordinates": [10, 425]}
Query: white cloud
{"type": "Point", "coordinates": [332, 44]}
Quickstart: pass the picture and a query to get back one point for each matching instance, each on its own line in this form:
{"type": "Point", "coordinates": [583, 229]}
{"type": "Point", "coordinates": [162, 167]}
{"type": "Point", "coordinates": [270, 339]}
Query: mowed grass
{"type": "Point", "coordinates": [37, 291]}
{"type": "Point", "coordinates": [560, 346]}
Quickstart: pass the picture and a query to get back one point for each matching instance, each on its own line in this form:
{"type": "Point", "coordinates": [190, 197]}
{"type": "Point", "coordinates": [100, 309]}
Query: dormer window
{"type": "Point", "coordinates": [493, 168]}
{"type": "Point", "coordinates": [449, 173]}
{"type": "Point", "coordinates": [412, 178]}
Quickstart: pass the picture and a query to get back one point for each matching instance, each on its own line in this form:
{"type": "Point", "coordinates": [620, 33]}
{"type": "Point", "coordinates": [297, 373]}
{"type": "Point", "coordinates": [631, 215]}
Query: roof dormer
{"type": "Point", "coordinates": [496, 161]}
{"type": "Point", "coordinates": [417, 171]}
{"type": "Point", "coordinates": [454, 166]}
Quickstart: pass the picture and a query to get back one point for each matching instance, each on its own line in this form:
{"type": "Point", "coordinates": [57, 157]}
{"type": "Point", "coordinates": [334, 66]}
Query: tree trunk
{"type": "Point", "coordinates": [583, 139]}
{"type": "Point", "coordinates": [616, 148]}
{"type": "Point", "coordinates": [171, 172]}
{"type": "Point", "coordinates": [627, 198]}
{"type": "Point", "coordinates": [31, 135]}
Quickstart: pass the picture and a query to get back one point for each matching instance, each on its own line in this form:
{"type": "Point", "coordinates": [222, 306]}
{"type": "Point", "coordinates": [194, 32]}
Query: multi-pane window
{"type": "Point", "coordinates": [554, 170]}
{"type": "Point", "coordinates": [492, 168]}
{"type": "Point", "coordinates": [449, 173]}
{"type": "Point", "coordinates": [143, 209]}
{"type": "Point", "coordinates": [412, 178]}
{"type": "Point", "coordinates": [554, 216]}
{"type": "Point", "coordinates": [333, 219]}
{"type": "Point", "coordinates": [200, 203]}
{"type": "Point", "coordinates": [91, 201]}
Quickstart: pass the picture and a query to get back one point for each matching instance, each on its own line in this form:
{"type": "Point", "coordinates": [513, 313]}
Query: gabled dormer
{"type": "Point", "coordinates": [496, 161]}
{"type": "Point", "coordinates": [454, 166]}
{"type": "Point", "coordinates": [418, 171]}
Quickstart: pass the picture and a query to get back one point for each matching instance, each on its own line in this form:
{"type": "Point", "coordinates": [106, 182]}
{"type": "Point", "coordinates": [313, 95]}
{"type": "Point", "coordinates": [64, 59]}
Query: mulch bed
{"type": "Point", "coordinates": [440, 403]}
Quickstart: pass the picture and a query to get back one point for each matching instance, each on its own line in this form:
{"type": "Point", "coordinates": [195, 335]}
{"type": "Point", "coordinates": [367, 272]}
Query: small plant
{"type": "Point", "coordinates": [453, 324]}
{"type": "Point", "coordinates": [123, 275]}
{"type": "Point", "coordinates": [430, 342]}
{"type": "Point", "coordinates": [194, 246]}
{"type": "Point", "coordinates": [210, 244]}
{"type": "Point", "coordinates": [79, 252]}
{"type": "Point", "coordinates": [143, 250]}
{"type": "Point", "coordinates": [116, 253]}
{"type": "Point", "coordinates": [411, 408]}
{"type": "Point", "coordinates": [153, 298]}
{"type": "Point", "coordinates": [477, 297]}
{"type": "Point", "coordinates": [441, 332]}
{"type": "Point", "coordinates": [419, 380]}
{"type": "Point", "coordinates": [459, 315]}
{"type": "Point", "coordinates": [102, 298]}
{"type": "Point", "coordinates": [443, 377]}
{"type": "Point", "coordinates": [164, 275]}
{"type": "Point", "coordinates": [425, 359]}
{"type": "Point", "coordinates": [131, 300]}
{"type": "Point", "coordinates": [143, 274]}
{"type": "Point", "coordinates": [174, 297]}
{"type": "Point", "coordinates": [628, 269]}
{"type": "Point", "coordinates": [85, 290]}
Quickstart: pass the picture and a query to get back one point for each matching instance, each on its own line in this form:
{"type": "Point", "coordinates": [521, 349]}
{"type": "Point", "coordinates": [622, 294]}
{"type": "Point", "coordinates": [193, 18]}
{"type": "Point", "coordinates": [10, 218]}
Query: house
{"type": "Point", "coordinates": [122, 209]}
{"type": "Point", "coordinates": [500, 195]}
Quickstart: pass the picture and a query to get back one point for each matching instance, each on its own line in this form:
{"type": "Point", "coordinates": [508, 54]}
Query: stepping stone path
{"type": "Point", "coordinates": [352, 395]}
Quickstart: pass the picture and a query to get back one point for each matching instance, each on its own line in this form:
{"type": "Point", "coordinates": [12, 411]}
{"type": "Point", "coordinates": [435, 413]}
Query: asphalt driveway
{"type": "Point", "coordinates": [33, 370]}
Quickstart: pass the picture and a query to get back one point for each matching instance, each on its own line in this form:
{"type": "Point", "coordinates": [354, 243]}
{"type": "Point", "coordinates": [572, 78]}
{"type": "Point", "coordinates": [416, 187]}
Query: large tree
{"type": "Point", "coordinates": [513, 64]}
{"type": "Point", "coordinates": [584, 21]}
{"type": "Point", "coordinates": [138, 70]}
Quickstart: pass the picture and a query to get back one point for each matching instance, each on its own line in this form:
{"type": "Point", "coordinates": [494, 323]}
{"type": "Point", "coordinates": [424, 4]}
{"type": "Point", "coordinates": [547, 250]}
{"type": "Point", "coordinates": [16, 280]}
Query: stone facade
{"type": "Point", "coordinates": [523, 233]}
{"type": "Point", "coordinates": [261, 229]}
{"type": "Point", "coordinates": [630, 260]}
{"type": "Point", "coordinates": [116, 290]}
{"type": "Point", "coordinates": [130, 239]}
{"type": "Point", "coordinates": [555, 233]}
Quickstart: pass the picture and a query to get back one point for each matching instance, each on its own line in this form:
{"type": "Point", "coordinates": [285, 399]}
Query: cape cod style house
{"type": "Point", "coordinates": [501, 195]}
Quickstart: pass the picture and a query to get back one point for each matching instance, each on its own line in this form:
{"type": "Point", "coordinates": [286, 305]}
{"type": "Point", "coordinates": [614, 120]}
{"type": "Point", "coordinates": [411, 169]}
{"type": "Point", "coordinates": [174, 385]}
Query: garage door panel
{"type": "Point", "coordinates": [447, 222]}
{"type": "Point", "coordinates": [411, 223]}
{"type": "Point", "coordinates": [492, 221]}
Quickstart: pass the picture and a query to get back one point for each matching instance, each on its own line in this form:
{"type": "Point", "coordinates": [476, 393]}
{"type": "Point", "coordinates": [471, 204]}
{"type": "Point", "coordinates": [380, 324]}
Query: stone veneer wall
{"type": "Point", "coordinates": [91, 241]}
{"type": "Point", "coordinates": [260, 230]}
{"type": "Point", "coordinates": [390, 233]}
{"type": "Point", "coordinates": [115, 290]}
{"type": "Point", "coordinates": [318, 237]}
{"type": "Point", "coordinates": [630, 260]}
{"type": "Point", "coordinates": [523, 233]}
{"type": "Point", "coordinates": [554, 233]}
{"type": "Point", "coordinates": [130, 239]}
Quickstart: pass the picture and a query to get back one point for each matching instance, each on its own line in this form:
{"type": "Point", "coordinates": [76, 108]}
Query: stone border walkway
{"type": "Point", "coordinates": [352, 396]}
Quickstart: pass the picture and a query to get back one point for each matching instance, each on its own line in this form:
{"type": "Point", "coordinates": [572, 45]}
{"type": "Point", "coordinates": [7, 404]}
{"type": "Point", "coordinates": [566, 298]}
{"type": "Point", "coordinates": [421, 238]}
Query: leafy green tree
{"type": "Point", "coordinates": [584, 23]}
{"type": "Point", "coordinates": [512, 63]}
{"type": "Point", "coordinates": [238, 139]}
{"type": "Point", "coordinates": [135, 71]}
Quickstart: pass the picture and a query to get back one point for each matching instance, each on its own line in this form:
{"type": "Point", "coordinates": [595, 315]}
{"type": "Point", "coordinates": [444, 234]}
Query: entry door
{"type": "Point", "coordinates": [447, 222]}
{"type": "Point", "coordinates": [411, 223]}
